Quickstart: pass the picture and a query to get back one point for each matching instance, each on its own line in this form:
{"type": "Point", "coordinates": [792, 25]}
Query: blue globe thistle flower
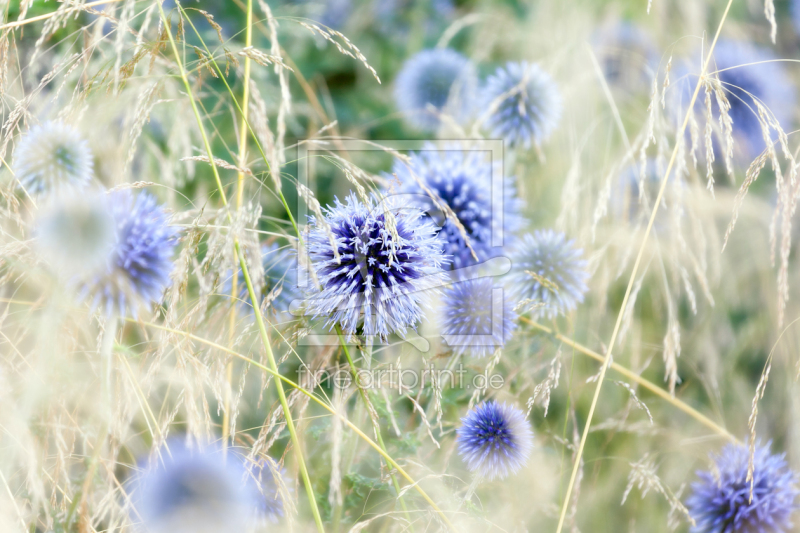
{"type": "Point", "coordinates": [478, 318]}
{"type": "Point", "coordinates": [379, 283]}
{"type": "Point", "coordinates": [395, 17]}
{"type": "Point", "coordinates": [442, 79]}
{"type": "Point", "coordinates": [462, 180]}
{"type": "Point", "coordinates": [550, 271]}
{"type": "Point", "coordinates": [495, 440]}
{"type": "Point", "coordinates": [627, 55]}
{"type": "Point", "coordinates": [194, 491]}
{"type": "Point", "coordinates": [336, 13]}
{"type": "Point", "coordinates": [280, 279]}
{"type": "Point", "coordinates": [270, 505]}
{"type": "Point", "coordinates": [52, 157]}
{"type": "Point", "coordinates": [524, 104]}
{"type": "Point", "coordinates": [74, 234]}
{"type": "Point", "coordinates": [141, 262]}
{"type": "Point", "coordinates": [720, 500]}
{"type": "Point", "coordinates": [767, 82]}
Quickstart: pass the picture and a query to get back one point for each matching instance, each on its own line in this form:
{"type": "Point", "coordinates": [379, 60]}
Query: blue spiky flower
{"type": "Point", "coordinates": [748, 73]}
{"type": "Point", "coordinates": [523, 103]}
{"type": "Point", "coordinates": [140, 266]}
{"type": "Point", "coordinates": [395, 18]}
{"type": "Point", "coordinates": [383, 275]}
{"type": "Point", "coordinates": [53, 157]}
{"type": "Point", "coordinates": [550, 271]}
{"type": "Point", "coordinates": [332, 13]}
{"type": "Point", "coordinates": [194, 491]}
{"type": "Point", "coordinates": [478, 317]}
{"type": "Point", "coordinates": [280, 279]}
{"type": "Point", "coordinates": [627, 55]}
{"type": "Point", "coordinates": [720, 500]}
{"type": "Point", "coordinates": [74, 234]}
{"type": "Point", "coordinates": [436, 82]}
{"type": "Point", "coordinates": [461, 180]}
{"type": "Point", "coordinates": [495, 440]}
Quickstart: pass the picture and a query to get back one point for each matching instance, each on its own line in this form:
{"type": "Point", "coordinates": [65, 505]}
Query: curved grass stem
{"type": "Point", "coordinates": [78, 7]}
{"type": "Point", "coordinates": [239, 197]}
{"type": "Point", "coordinates": [316, 400]}
{"type": "Point", "coordinates": [243, 113]}
{"type": "Point", "coordinates": [579, 452]}
{"type": "Point", "coordinates": [636, 378]}
{"type": "Point", "coordinates": [246, 126]}
{"type": "Point", "coordinates": [245, 122]}
{"type": "Point", "coordinates": [262, 330]}
{"type": "Point", "coordinates": [251, 292]}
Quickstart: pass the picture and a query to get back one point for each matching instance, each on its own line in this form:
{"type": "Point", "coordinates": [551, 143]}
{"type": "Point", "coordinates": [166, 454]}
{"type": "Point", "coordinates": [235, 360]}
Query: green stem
{"type": "Point", "coordinates": [636, 378]}
{"type": "Point", "coordinates": [246, 122]}
{"type": "Point", "coordinates": [262, 330]}
{"type": "Point", "coordinates": [612, 342]}
{"type": "Point", "coordinates": [251, 292]}
{"type": "Point", "coordinates": [316, 400]}
{"type": "Point", "coordinates": [375, 425]}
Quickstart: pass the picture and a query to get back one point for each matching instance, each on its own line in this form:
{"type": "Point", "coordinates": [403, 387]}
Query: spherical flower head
{"type": "Point", "coordinates": [551, 272]}
{"type": "Point", "coordinates": [748, 74]}
{"type": "Point", "coordinates": [461, 180]}
{"type": "Point", "coordinates": [394, 18]}
{"type": "Point", "coordinates": [436, 82]}
{"type": "Point", "coordinates": [478, 319]}
{"type": "Point", "coordinates": [627, 55]}
{"type": "Point", "coordinates": [74, 234]}
{"type": "Point", "coordinates": [194, 491]}
{"type": "Point", "coordinates": [141, 263]}
{"type": "Point", "coordinates": [495, 440]}
{"type": "Point", "coordinates": [53, 157]}
{"type": "Point", "coordinates": [280, 279]}
{"type": "Point", "coordinates": [386, 268]}
{"type": "Point", "coordinates": [720, 499]}
{"type": "Point", "coordinates": [333, 13]}
{"type": "Point", "coordinates": [523, 103]}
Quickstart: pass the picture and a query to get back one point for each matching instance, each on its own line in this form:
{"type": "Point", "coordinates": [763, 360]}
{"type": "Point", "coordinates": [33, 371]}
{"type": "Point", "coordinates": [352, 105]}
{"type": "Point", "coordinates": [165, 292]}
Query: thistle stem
{"type": "Point", "coordinates": [375, 424]}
